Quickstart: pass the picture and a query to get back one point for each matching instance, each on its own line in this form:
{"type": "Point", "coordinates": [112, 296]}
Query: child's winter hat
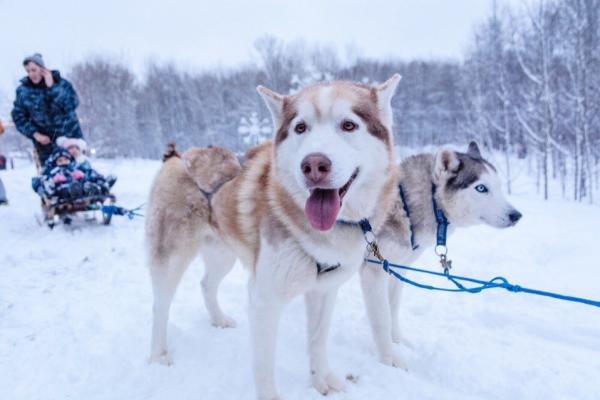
{"type": "Point", "coordinates": [66, 142]}
{"type": "Point", "coordinates": [60, 152]}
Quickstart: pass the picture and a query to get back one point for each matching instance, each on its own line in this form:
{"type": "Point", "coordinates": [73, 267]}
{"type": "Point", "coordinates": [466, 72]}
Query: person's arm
{"type": "Point", "coordinates": [93, 175]}
{"type": "Point", "coordinates": [63, 95]}
{"type": "Point", "coordinates": [21, 117]}
{"type": "Point", "coordinates": [85, 166]}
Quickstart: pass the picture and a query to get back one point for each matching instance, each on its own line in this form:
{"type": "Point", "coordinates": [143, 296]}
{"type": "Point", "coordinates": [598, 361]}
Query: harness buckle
{"type": "Point", "coordinates": [446, 264]}
{"type": "Point", "coordinates": [371, 240]}
{"type": "Point", "coordinates": [370, 237]}
{"type": "Point", "coordinates": [374, 249]}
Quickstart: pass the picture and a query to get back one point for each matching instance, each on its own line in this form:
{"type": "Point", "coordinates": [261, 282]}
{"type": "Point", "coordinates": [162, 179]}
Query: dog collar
{"type": "Point", "coordinates": [440, 218]}
{"type": "Point", "coordinates": [363, 224]}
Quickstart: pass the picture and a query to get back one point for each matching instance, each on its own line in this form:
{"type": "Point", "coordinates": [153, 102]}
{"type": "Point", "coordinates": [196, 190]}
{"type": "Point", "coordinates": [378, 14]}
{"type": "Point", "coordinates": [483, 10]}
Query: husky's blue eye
{"type": "Point", "coordinates": [481, 188]}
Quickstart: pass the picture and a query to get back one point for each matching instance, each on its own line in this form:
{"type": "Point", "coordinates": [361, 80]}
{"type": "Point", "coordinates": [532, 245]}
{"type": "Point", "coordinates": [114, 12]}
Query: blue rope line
{"type": "Point", "coordinates": [111, 209]}
{"type": "Point", "coordinates": [497, 282]}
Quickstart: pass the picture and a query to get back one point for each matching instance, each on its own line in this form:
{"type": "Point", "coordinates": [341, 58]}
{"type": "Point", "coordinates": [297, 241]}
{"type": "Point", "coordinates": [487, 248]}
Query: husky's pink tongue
{"type": "Point", "coordinates": [322, 208]}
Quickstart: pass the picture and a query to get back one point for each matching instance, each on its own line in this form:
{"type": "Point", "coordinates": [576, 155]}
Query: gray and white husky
{"type": "Point", "coordinates": [466, 188]}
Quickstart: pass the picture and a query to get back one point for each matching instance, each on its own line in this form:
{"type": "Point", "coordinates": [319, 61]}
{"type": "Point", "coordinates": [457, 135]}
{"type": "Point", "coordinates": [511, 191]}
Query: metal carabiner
{"type": "Point", "coordinates": [446, 264]}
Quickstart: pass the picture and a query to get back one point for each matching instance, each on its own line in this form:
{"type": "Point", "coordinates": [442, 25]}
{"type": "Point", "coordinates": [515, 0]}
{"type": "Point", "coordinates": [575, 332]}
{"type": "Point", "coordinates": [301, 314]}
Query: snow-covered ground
{"type": "Point", "coordinates": [75, 313]}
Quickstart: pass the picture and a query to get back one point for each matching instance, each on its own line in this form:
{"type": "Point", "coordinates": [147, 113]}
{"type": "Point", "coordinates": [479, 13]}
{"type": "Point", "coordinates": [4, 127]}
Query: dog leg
{"type": "Point", "coordinates": [394, 292]}
{"type": "Point", "coordinates": [265, 306]}
{"type": "Point", "coordinates": [373, 282]}
{"type": "Point", "coordinates": [165, 279]}
{"type": "Point", "coordinates": [218, 261]}
{"type": "Point", "coordinates": [319, 308]}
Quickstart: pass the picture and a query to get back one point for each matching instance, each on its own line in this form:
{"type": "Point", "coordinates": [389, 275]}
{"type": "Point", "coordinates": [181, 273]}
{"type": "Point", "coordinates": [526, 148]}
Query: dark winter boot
{"type": "Point", "coordinates": [110, 180]}
{"type": "Point", "coordinates": [103, 185]}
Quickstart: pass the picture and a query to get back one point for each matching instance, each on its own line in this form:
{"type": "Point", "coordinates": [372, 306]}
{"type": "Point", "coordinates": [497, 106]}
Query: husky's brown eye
{"type": "Point", "coordinates": [300, 128]}
{"type": "Point", "coordinates": [348, 126]}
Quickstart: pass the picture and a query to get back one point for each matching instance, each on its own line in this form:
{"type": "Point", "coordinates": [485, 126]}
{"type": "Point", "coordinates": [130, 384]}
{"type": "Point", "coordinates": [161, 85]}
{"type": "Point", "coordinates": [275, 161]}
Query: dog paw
{"type": "Point", "coordinates": [394, 360]}
{"type": "Point", "coordinates": [269, 397]}
{"type": "Point", "coordinates": [224, 322]}
{"type": "Point", "coordinates": [163, 358]}
{"type": "Point", "coordinates": [327, 383]}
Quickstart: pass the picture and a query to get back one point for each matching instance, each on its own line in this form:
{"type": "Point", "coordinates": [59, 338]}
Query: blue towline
{"type": "Point", "coordinates": [111, 209]}
{"type": "Point", "coordinates": [497, 282]}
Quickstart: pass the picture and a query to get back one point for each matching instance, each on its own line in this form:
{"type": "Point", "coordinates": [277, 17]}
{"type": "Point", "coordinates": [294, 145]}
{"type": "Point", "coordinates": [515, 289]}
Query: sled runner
{"type": "Point", "coordinates": [86, 208]}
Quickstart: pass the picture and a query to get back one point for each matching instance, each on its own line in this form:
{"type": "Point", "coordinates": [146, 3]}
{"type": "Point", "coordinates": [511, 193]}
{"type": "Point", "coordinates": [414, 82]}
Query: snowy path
{"type": "Point", "coordinates": [75, 315]}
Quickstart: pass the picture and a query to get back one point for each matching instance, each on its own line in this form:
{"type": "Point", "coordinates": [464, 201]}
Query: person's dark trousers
{"type": "Point", "coordinates": [3, 198]}
{"type": "Point", "coordinates": [43, 151]}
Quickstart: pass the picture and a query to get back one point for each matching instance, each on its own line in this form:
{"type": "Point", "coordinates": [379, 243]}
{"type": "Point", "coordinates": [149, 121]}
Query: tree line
{"type": "Point", "coordinates": [528, 87]}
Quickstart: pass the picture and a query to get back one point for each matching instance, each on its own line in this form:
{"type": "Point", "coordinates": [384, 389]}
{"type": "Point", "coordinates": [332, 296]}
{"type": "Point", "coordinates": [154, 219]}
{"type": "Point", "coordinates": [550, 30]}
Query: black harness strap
{"type": "Point", "coordinates": [209, 195]}
{"type": "Point", "coordinates": [323, 268]}
{"type": "Point", "coordinates": [410, 225]}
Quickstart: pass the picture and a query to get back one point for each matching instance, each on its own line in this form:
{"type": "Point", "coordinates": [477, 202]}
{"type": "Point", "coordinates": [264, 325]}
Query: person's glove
{"type": "Point", "coordinates": [59, 178]}
{"type": "Point", "coordinates": [77, 175]}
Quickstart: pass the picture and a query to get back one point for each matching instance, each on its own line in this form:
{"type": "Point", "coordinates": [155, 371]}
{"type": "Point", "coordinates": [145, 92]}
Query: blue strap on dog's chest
{"type": "Point", "coordinates": [363, 224]}
{"type": "Point", "coordinates": [442, 221]}
{"type": "Point", "coordinates": [440, 218]}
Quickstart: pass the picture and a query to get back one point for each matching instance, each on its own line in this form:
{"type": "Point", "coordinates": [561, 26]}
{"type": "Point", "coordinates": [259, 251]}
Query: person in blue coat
{"type": "Point", "coordinates": [44, 108]}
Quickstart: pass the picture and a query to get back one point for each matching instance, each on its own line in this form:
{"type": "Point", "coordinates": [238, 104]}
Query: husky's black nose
{"type": "Point", "coordinates": [316, 168]}
{"type": "Point", "coordinates": [514, 216]}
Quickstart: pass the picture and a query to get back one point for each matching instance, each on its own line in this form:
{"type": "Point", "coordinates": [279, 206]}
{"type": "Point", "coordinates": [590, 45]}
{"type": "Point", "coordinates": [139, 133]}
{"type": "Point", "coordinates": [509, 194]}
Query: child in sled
{"type": "Point", "coordinates": [60, 180]}
{"type": "Point", "coordinates": [94, 182]}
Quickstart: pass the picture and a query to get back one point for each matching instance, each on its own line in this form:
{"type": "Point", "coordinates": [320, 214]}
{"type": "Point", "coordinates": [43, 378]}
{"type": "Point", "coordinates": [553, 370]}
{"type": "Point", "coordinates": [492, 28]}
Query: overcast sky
{"type": "Point", "coordinates": [197, 34]}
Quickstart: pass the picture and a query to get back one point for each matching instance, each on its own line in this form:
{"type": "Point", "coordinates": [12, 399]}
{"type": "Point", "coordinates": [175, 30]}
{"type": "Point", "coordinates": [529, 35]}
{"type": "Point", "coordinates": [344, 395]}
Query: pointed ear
{"type": "Point", "coordinates": [274, 102]}
{"type": "Point", "coordinates": [446, 163]}
{"type": "Point", "coordinates": [385, 92]}
{"type": "Point", "coordinates": [473, 150]}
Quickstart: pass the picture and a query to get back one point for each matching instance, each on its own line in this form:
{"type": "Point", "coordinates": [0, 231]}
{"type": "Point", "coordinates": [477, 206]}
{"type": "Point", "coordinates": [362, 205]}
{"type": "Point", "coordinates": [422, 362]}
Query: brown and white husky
{"type": "Point", "coordinates": [291, 217]}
